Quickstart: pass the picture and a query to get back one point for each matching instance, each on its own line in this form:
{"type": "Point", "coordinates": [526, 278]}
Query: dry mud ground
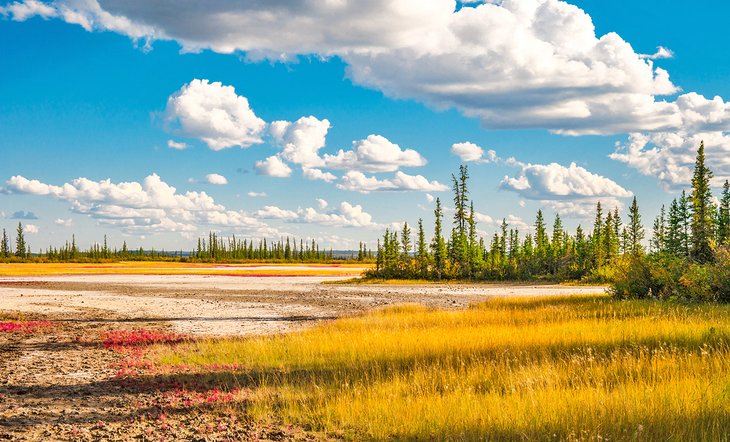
{"type": "Point", "coordinates": [60, 384]}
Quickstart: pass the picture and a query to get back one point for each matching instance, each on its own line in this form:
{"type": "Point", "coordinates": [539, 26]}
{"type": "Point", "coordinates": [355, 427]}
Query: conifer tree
{"type": "Point", "coordinates": [659, 232]}
{"type": "Point", "coordinates": [20, 247]}
{"type": "Point", "coordinates": [723, 216]}
{"type": "Point", "coordinates": [597, 243]}
{"type": "Point", "coordinates": [405, 254]}
{"type": "Point", "coordinates": [635, 230]}
{"type": "Point", "coordinates": [702, 209]}
{"type": "Point", "coordinates": [421, 250]}
{"type": "Point", "coordinates": [438, 246]}
{"type": "Point", "coordinates": [4, 245]}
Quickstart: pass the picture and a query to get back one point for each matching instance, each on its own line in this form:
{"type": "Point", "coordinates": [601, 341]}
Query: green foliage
{"type": "Point", "coordinates": [555, 255]}
{"type": "Point", "coordinates": [702, 210]}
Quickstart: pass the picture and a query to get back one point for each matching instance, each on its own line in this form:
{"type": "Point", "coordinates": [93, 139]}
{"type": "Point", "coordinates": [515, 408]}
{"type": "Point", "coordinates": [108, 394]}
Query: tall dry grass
{"type": "Point", "coordinates": [580, 368]}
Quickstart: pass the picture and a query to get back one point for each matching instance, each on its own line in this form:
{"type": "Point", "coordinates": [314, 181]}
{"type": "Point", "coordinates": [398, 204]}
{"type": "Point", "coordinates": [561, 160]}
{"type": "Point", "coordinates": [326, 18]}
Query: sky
{"type": "Point", "coordinates": [154, 123]}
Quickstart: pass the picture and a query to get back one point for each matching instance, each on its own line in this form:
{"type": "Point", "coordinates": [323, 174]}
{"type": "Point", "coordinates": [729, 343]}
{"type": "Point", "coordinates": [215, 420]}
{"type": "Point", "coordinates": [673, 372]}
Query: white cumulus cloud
{"type": "Point", "coordinates": [359, 182]}
{"type": "Point", "coordinates": [510, 63]}
{"type": "Point", "coordinates": [216, 179]}
{"type": "Point", "coordinates": [317, 175]}
{"type": "Point", "coordinates": [301, 140]}
{"type": "Point", "coordinates": [215, 114]}
{"type": "Point", "coordinates": [374, 154]}
{"type": "Point", "coordinates": [138, 208]}
{"type": "Point", "coordinates": [572, 191]}
{"type": "Point", "coordinates": [273, 166]}
{"type": "Point", "coordinates": [273, 212]}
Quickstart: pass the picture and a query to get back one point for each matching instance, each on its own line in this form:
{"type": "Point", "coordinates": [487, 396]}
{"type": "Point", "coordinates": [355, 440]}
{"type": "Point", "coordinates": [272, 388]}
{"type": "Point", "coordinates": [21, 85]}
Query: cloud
{"type": "Point", "coordinates": [669, 155]}
{"type": "Point", "coordinates": [64, 222]}
{"type": "Point", "coordinates": [273, 166]}
{"type": "Point", "coordinates": [470, 152]}
{"type": "Point", "coordinates": [374, 154]}
{"type": "Point", "coordinates": [172, 144]}
{"type": "Point", "coordinates": [571, 191]}
{"type": "Point", "coordinates": [347, 215]}
{"type": "Point", "coordinates": [661, 52]}
{"type": "Point", "coordinates": [257, 194]}
{"type": "Point", "coordinates": [556, 182]}
{"type": "Point", "coordinates": [301, 140]}
{"type": "Point", "coordinates": [272, 212]}
{"type": "Point", "coordinates": [511, 63]}
{"type": "Point", "coordinates": [359, 182]}
{"type": "Point", "coordinates": [139, 208]}
{"type": "Point", "coordinates": [584, 208]}
{"type": "Point", "coordinates": [216, 179]}
{"type": "Point", "coordinates": [23, 215]}
{"type": "Point", "coordinates": [31, 228]}
{"type": "Point", "coordinates": [21, 11]}
{"type": "Point", "coordinates": [467, 151]}
{"type": "Point", "coordinates": [430, 198]}
{"type": "Point", "coordinates": [318, 175]}
{"type": "Point", "coordinates": [215, 114]}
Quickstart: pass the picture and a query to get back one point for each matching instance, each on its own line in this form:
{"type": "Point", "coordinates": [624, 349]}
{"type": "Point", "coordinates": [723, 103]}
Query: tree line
{"type": "Point", "coordinates": [210, 249]}
{"type": "Point", "coordinates": [693, 235]}
{"type": "Point", "coordinates": [549, 253]}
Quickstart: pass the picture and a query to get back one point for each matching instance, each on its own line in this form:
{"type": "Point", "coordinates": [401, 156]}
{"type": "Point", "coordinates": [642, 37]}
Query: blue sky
{"type": "Point", "coordinates": [102, 101]}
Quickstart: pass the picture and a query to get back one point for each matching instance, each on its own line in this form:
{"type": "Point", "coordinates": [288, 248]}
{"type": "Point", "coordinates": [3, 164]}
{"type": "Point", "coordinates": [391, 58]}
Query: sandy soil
{"type": "Point", "coordinates": [60, 384]}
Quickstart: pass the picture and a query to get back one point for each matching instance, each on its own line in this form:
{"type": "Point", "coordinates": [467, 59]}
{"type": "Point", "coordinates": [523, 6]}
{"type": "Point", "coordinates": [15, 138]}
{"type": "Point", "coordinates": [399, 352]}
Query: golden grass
{"type": "Point", "coordinates": [178, 268]}
{"type": "Point", "coordinates": [577, 368]}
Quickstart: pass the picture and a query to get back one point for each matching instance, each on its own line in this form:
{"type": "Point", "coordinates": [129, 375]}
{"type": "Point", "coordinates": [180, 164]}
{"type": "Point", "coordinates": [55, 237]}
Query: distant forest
{"type": "Point", "coordinates": [210, 249]}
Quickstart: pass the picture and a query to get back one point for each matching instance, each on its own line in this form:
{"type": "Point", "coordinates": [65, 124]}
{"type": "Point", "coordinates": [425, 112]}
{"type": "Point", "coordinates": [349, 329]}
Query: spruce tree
{"type": "Point", "coordinates": [659, 230]}
{"type": "Point", "coordinates": [597, 243]}
{"type": "Point", "coordinates": [405, 255]}
{"type": "Point", "coordinates": [723, 216]}
{"type": "Point", "coordinates": [685, 223]}
{"type": "Point", "coordinates": [635, 230]}
{"type": "Point", "coordinates": [438, 246]}
{"type": "Point", "coordinates": [421, 250]}
{"type": "Point", "coordinates": [702, 210]}
{"type": "Point", "coordinates": [20, 246]}
{"type": "Point", "coordinates": [4, 245]}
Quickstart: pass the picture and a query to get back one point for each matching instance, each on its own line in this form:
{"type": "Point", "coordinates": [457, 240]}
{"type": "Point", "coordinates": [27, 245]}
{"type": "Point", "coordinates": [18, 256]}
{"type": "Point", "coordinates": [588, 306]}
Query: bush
{"type": "Point", "coordinates": [641, 276]}
{"type": "Point", "coordinates": [670, 277]}
{"type": "Point", "coordinates": [721, 275]}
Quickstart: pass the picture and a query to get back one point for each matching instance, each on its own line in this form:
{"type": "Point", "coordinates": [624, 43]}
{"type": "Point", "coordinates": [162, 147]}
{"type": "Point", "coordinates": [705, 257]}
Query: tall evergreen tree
{"type": "Point", "coordinates": [635, 230]}
{"type": "Point", "coordinates": [702, 209]}
{"type": "Point", "coordinates": [438, 245]}
{"type": "Point", "coordinates": [421, 250]}
{"type": "Point", "coordinates": [723, 216]}
{"type": "Point", "coordinates": [406, 244]}
{"type": "Point", "coordinates": [659, 232]}
{"type": "Point", "coordinates": [597, 243]}
{"type": "Point", "coordinates": [4, 245]}
{"type": "Point", "coordinates": [20, 246]}
{"type": "Point", "coordinates": [685, 223]}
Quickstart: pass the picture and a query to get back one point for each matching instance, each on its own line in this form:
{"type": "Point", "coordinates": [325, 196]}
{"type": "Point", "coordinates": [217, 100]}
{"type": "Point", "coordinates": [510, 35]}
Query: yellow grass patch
{"type": "Point", "coordinates": [580, 368]}
{"type": "Point", "coordinates": [177, 268]}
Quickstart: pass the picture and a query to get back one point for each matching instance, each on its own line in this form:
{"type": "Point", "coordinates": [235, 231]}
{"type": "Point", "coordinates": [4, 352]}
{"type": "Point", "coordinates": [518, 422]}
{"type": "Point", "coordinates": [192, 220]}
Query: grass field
{"type": "Point", "coordinates": [580, 368]}
{"type": "Point", "coordinates": [177, 268]}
